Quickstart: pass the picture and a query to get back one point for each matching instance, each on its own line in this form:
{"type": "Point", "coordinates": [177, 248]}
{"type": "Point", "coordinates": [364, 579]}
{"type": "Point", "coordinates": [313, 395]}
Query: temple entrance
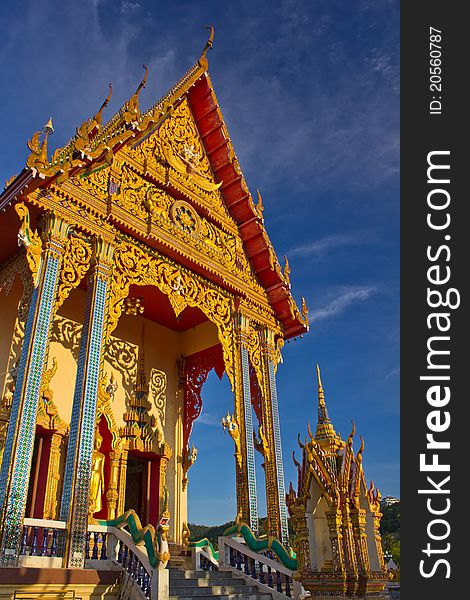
{"type": "Point", "coordinates": [142, 487]}
{"type": "Point", "coordinates": [38, 477]}
{"type": "Point", "coordinates": [137, 496]}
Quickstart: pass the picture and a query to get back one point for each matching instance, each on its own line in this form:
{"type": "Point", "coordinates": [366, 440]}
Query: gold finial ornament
{"type": "Point", "coordinates": [304, 310]}
{"type": "Point", "coordinates": [48, 127]}
{"type": "Point", "coordinates": [321, 394]}
{"type": "Point", "coordinates": [132, 106]}
{"type": "Point", "coordinates": [209, 42]}
{"type": "Point", "coordinates": [99, 115]}
{"type": "Point", "coordinates": [230, 424]}
{"type": "Point", "coordinates": [287, 271]}
{"type": "Point", "coordinates": [38, 157]}
{"type": "Point", "coordinates": [260, 206]}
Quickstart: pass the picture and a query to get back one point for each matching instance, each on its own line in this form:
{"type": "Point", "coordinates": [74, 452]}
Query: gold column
{"type": "Point", "coordinates": [335, 521]}
{"type": "Point", "coordinates": [51, 501]}
{"type": "Point", "coordinates": [358, 520]}
{"type": "Point", "coordinates": [112, 494]}
{"type": "Point", "coordinates": [348, 547]}
{"type": "Point", "coordinates": [122, 482]}
{"type": "Point", "coordinates": [274, 468]}
{"type": "Point", "coordinates": [247, 506]}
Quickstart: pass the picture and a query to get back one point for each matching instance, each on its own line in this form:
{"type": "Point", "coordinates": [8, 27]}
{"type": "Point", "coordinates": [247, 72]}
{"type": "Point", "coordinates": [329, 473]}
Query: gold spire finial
{"type": "Point", "coordinates": [321, 393]}
{"type": "Point", "coordinates": [325, 429]}
{"type": "Point", "coordinates": [48, 128]}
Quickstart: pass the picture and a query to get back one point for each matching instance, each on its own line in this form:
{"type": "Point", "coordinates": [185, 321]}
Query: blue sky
{"type": "Point", "coordinates": [310, 93]}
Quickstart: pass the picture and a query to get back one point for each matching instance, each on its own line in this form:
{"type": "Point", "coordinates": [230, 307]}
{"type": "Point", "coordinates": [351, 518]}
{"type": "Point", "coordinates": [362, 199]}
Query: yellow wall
{"type": "Point", "coordinates": [8, 314]}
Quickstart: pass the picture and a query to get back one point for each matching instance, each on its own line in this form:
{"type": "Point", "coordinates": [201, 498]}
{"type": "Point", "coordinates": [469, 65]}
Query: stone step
{"type": "Point", "coordinates": [214, 590]}
{"type": "Point", "coordinates": [257, 596]}
{"type": "Point", "coordinates": [180, 574]}
{"type": "Point", "coordinates": [204, 583]}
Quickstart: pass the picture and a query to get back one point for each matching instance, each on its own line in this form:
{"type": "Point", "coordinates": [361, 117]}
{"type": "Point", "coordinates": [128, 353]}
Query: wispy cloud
{"type": "Point", "coordinates": [209, 419]}
{"type": "Point", "coordinates": [319, 248]}
{"type": "Point", "coordinates": [342, 302]}
{"type": "Point", "coordinates": [392, 373]}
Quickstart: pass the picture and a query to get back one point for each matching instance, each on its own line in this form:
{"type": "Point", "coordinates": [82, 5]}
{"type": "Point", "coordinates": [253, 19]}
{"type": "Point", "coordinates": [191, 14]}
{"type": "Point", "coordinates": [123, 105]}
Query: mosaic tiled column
{"type": "Point", "coordinates": [247, 502]}
{"type": "Point", "coordinates": [75, 495]}
{"type": "Point", "coordinates": [275, 489]}
{"type": "Point", "coordinates": [19, 445]}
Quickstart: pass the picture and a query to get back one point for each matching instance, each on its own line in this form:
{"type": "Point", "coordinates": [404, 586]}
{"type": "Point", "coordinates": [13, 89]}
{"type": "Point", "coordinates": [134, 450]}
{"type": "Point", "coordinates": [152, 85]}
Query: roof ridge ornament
{"type": "Point", "coordinates": [132, 105]}
{"type": "Point", "coordinates": [203, 59]}
{"type": "Point", "coordinates": [99, 115]}
{"type": "Point", "coordinates": [38, 157]}
{"type": "Point", "coordinates": [259, 207]}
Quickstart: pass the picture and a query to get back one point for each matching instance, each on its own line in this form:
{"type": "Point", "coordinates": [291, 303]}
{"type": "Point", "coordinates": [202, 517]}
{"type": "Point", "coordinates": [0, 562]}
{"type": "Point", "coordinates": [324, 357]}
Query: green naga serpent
{"type": "Point", "coordinates": [155, 541]}
{"type": "Point", "coordinates": [287, 557]}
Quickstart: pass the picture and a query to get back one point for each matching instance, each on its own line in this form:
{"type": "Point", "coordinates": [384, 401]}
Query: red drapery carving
{"type": "Point", "coordinates": [256, 395]}
{"type": "Point", "coordinates": [196, 369]}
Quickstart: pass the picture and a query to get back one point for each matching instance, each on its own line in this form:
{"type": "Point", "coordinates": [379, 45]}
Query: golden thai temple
{"type": "Point", "coordinates": [133, 261]}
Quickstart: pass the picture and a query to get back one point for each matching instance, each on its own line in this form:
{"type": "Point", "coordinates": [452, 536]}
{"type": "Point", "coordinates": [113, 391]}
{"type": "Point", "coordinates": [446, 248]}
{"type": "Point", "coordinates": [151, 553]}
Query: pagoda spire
{"type": "Point", "coordinates": [325, 429]}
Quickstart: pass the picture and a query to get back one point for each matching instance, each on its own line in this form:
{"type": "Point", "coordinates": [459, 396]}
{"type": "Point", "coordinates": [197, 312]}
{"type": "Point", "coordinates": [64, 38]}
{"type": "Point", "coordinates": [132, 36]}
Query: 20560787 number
{"type": "Point", "coordinates": [435, 69]}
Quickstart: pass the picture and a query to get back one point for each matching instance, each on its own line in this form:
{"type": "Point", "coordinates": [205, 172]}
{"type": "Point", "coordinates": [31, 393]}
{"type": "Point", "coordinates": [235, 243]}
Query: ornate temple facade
{"type": "Point", "coordinates": [335, 516]}
{"type": "Point", "coordinates": [134, 260]}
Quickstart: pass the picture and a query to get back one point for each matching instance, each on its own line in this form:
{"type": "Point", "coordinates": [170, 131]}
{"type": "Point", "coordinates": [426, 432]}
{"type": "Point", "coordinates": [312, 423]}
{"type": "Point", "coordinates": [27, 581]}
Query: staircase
{"type": "Point", "coordinates": [204, 585]}
{"type": "Point", "coordinates": [180, 556]}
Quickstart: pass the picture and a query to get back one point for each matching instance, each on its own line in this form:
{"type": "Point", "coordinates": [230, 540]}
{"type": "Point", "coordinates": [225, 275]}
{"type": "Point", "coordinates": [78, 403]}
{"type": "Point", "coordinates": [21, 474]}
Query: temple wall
{"type": "Point", "coordinates": [8, 315]}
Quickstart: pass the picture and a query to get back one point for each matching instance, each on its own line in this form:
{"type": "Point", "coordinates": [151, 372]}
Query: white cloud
{"type": "Point", "coordinates": [209, 419]}
{"type": "Point", "coordinates": [341, 302]}
{"type": "Point", "coordinates": [319, 248]}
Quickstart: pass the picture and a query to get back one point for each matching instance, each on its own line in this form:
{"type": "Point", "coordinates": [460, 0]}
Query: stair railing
{"type": "Point", "coordinates": [202, 559]}
{"type": "Point", "coordinates": [270, 576]}
{"type": "Point", "coordinates": [39, 543]}
{"type": "Point", "coordinates": [106, 545]}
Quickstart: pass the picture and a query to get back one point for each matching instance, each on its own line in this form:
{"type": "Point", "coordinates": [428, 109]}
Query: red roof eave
{"type": "Point", "coordinates": [240, 204]}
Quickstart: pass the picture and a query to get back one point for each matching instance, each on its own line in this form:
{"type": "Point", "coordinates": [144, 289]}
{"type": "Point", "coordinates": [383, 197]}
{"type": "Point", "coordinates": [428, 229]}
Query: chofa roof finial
{"type": "Point", "coordinates": [203, 59]}
{"type": "Point", "coordinates": [99, 114]}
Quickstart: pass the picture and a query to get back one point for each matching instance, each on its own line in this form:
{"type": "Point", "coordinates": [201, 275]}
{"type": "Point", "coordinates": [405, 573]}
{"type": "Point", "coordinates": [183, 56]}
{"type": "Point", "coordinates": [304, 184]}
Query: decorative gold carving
{"type": "Point", "coordinates": [187, 461]}
{"type": "Point", "coordinates": [262, 444]}
{"type": "Point", "coordinates": [185, 217]}
{"type": "Point", "coordinates": [230, 424]}
{"type": "Point", "coordinates": [103, 408]}
{"type": "Point", "coordinates": [158, 383]}
{"type": "Point", "coordinates": [48, 413]}
{"type": "Point", "coordinates": [75, 264]}
{"type": "Point", "coordinates": [186, 535]}
{"type": "Point", "coordinates": [176, 143]}
{"type": "Point", "coordinates": [30, 240]}
{"type": "Point", "coordinates": [133, 306]}
{"type": "Point", "coordinates": [38, 157]}
{"type": "Point", "coordinates": [139, 266]}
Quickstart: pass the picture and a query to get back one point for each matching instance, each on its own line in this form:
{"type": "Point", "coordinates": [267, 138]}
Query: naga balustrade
{"type": "Point", "coordinates": [268, 575]}
{"type": "Point", "coordinates": [202, 559]}
{"type": "Point", "coordinates": [106, 548]}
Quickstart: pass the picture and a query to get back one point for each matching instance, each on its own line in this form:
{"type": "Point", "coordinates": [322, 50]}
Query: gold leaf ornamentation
{"type": "Point", "coordinates": [135, 265]}
{"type": "Point", "coordinates": [75, 264]}
{"type": "Point", "coordinates": [30, 240]}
